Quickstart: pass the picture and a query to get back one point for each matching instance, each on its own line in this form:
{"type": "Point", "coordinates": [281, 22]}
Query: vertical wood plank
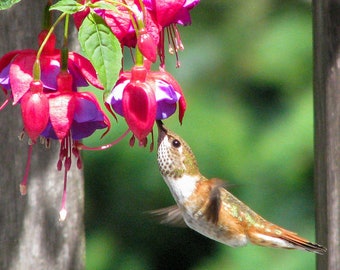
{"type": "Point", "coordinates": [31, 236]}
{"type": "Point", "coordinates": [326, 15]}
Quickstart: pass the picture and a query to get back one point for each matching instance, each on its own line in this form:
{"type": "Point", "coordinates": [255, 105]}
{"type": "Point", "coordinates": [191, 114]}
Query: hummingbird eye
{"type": "Point", "coordinates": [176, 143]}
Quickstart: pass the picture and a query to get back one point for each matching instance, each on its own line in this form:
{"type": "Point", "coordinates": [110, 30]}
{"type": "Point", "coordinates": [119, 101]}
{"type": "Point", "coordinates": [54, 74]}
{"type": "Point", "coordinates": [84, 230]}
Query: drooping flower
{"type": "Point", "coordinates": [171, 11]}
{"type": "Point", "coordinates": [142, 96]}
{"type": "Point", "coordinates": [139, 104]}
{"type": "Point", "coordinates": [119, 22]}
{"type": "Point", "coordinates": [16, 69]}
{"type": "Point", "coordinates": [151, 18]}
{"type": "Point", "coordinates": [81, 116]}
{"type": "Point", "coordinates": [167, 14]}
{"type": "Point", "coordinates": [70, 116]}
{"type": "Point", "coordinates": [147, 45]}
{"type": "Point", "coordinates": [73, 116]}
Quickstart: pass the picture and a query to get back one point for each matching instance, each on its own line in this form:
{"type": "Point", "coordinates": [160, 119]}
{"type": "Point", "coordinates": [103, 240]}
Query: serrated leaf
{"type": "Point", "coordinates": [67, 6]}
{"type": "Point", "coordinates": [102, 48]}
{"type": "Point", "coordinates": [6, 4]}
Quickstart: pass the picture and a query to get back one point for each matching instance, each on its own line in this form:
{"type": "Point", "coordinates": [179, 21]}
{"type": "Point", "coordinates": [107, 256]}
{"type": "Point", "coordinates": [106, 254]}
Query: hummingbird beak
{"type": "Point", "coordinates": [161, 125]}
{"type": "Point", "coordinates": [162, 131]}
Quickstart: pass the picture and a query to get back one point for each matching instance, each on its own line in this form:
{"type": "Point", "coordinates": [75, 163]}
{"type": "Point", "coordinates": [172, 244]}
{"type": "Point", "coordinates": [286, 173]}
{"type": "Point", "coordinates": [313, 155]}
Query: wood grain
{"type": "Point", "coordinates": [326, 15]}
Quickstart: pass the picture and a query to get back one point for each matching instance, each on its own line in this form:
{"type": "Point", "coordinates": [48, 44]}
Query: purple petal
{"type": "Point", "coordinates": [86, 111]}
{"type": "Point", "coordinates": [115, 97]}
{"type": "Point", "coordinates": [190, 4]}
{"type": "Point", "coordinates": [49, 75]}
{"type": "Point", "coordinates": [87, 119]}
{"type": "Point", "coordinates": [49, 132]}
{"type": "Point", "coordinates": [4, 78]}
{"type": "Point", "coordinates": [78, 78]}
{"type": "Point", "coordinates": [86, 129]}
{"type": "Point", "coordinates": [166, 98]}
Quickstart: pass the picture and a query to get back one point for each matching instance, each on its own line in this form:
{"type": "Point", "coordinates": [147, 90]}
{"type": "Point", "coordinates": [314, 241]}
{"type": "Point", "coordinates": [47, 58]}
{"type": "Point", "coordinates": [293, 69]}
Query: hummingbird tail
{"type": "Point", "coordinates": [285, 239]}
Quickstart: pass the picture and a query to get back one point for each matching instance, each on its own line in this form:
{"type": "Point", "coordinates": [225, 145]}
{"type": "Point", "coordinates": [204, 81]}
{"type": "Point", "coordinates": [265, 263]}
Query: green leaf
{"type": "Point", "coordinates": [104, 5]}
{"type": "Point", "coordinates": [6, 4]}
{"type": "Point", "coordinates": [102, 48]}
{"type": "Point", "coordinates": [67, 6]}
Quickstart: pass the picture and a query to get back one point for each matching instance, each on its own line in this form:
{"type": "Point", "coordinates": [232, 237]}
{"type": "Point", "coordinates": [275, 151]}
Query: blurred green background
{"type": "Point", "coordinates": [247, 75]}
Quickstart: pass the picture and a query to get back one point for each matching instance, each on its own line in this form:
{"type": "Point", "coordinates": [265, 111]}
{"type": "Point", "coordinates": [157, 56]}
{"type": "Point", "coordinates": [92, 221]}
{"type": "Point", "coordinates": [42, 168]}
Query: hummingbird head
{"type": "Point", "coordinates": [175, 157]}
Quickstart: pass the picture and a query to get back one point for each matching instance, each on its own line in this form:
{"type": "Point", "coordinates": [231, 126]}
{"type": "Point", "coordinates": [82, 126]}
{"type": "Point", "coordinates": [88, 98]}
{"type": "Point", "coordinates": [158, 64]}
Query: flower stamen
{"type": "Point", "coordinates": [23, 184]}
{"type": "Point", "coordinates": [175, 42]}
{"type": "Point", "coordinates": [8, 97]}
{"type": "Point", "coordinates": [63, 210]}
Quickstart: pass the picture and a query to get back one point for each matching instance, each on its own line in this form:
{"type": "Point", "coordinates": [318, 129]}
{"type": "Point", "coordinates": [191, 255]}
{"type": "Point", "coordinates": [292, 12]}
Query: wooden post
{"type": "Point", "coordinates": [327, 129]}
{"type": "Point", "coordinates": [31, 236]}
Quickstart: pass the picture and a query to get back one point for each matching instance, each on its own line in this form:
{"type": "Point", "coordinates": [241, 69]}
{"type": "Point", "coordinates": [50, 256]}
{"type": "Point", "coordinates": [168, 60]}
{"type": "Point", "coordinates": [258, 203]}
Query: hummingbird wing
{"type": "Point", "coordinates": [171, 215]}
{"type": "Point", "coordinates": [214, 203]}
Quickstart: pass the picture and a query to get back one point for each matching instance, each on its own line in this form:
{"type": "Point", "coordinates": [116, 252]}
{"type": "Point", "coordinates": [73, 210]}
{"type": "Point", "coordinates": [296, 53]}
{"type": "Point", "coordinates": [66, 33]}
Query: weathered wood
{"type": "Point", "coordinates": [31, 236]}
{"type": "Point", "coordinates": [327, 129]}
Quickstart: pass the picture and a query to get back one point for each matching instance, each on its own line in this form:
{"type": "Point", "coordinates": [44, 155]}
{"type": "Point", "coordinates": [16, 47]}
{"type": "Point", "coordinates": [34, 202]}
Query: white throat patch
{"type": "Point", "coordinates": [182, 188]}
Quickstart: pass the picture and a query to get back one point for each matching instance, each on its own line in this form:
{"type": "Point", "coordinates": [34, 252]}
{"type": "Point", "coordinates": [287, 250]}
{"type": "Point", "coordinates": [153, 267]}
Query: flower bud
{"type": "Point", "coordinates": [50, 44]}
{"type": "Point", "coordinates": [147, 45]}
{"type": "Point", "coordinates": [35, 110]}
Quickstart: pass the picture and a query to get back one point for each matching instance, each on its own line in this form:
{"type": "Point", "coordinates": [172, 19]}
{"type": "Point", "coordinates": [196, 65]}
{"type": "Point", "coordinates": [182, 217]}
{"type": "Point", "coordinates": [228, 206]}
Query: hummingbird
{"type": "Point", "coordinates": [206, 206]}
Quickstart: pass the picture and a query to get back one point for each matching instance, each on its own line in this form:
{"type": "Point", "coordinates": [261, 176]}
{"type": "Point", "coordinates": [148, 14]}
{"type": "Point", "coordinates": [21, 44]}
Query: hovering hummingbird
{"type": "Point", "coordinates": [207, 207]}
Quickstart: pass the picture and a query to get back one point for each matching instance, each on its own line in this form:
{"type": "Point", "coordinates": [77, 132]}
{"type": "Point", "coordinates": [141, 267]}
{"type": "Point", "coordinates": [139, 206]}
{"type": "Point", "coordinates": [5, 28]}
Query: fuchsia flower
{"type": "Point", "coordinates": [16, 69]}
{"type": "Point", "coordinates": [119, 22]}
{"type": "Point", "coordinates": [77, 113]}
{"type": "Point", "coordinates": [157, 16]}
{"type": "Point", "coordinates": [166, 15]}
{"type": "Point", "coordinates": [168, 12]}
{"type": "Point", "coordinates": [143, 96]}
{"type": "Point", "coordinates": [51, 107]}
{"type": "Point", "coordinates": [16, 76]}
{"type": "Point", "coordinates": [72, 116]}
